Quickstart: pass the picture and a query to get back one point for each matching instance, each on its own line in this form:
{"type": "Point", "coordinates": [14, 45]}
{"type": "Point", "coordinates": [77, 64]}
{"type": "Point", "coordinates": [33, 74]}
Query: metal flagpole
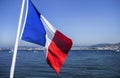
{"type": "Point", "coordinates": [17, 41]}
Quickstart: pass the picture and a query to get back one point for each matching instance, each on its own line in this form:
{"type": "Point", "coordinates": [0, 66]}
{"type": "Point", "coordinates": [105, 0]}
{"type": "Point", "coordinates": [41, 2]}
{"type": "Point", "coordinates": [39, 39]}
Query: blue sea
{"type": "Point", "coordinates": [79, 64]}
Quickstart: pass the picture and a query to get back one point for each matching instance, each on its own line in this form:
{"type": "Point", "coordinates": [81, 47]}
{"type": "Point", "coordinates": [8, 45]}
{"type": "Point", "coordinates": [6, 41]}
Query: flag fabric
{"type": "Point", "coordinates": [38, 30]}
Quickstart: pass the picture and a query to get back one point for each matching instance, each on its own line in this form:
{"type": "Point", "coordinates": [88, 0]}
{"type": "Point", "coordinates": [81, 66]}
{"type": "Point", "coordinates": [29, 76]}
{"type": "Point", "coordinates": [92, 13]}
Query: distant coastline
{"type": "Point", "coordinates": [92, 47]}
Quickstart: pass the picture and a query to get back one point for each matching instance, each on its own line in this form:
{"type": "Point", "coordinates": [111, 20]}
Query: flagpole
{"type": "Point", "coordinates": [17, 41]}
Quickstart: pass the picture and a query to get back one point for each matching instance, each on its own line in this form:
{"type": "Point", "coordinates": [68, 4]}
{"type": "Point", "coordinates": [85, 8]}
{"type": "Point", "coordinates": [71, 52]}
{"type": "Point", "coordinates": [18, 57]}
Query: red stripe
{"type": "Point", "coordinates": [58, 51]}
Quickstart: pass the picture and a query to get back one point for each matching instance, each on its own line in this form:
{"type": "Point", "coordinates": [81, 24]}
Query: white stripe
{"type": "Point", "coordinates": [50, 31]}
{"type": "Point", "coordinates": [26, 13]}
{"type": "Point", "coordinates": [48, 41]}
{"type": "Point", "coordinates": [17, 41]}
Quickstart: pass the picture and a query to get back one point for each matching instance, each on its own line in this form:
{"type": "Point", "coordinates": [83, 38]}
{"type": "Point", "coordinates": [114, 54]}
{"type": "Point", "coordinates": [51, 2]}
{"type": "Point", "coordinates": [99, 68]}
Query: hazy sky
{"type": "Point", "coordinates": [86, 22]}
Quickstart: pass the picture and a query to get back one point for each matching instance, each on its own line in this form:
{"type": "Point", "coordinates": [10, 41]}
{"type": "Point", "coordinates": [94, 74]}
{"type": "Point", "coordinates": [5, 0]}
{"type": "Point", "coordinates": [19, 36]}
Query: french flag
{"type": "Point", "coordinates": [38, 30]}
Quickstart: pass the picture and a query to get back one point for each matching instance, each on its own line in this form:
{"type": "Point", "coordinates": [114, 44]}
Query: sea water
{"type": "Point", "coordinates": [79, 64]}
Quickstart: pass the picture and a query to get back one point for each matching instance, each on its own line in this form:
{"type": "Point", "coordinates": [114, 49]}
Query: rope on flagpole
{"type": "Point", "coordinates": [17, 41]}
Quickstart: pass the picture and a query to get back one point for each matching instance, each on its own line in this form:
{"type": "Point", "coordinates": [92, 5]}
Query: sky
{"type": "Point", "coordinates": [86, 22]}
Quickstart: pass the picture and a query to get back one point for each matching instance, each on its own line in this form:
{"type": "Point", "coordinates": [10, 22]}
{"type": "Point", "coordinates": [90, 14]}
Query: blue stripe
{"type": "Point", "coordinates": [34, 30]}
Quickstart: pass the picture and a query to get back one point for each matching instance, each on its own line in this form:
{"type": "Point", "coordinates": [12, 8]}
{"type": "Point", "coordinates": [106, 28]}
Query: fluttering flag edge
{"type": "Point", "coordinates": [54, 42]}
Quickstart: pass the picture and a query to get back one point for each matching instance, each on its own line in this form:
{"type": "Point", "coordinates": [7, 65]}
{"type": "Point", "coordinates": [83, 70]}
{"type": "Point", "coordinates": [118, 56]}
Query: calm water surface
{"type": "Point", "coordinates": [79, 64]}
